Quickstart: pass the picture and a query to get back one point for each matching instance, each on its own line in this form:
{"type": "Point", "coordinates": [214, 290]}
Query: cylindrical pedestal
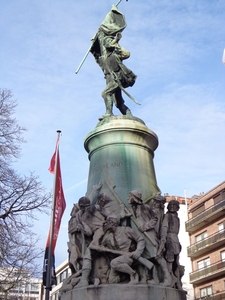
{"type": "Point", "coordinates": [121, 155]}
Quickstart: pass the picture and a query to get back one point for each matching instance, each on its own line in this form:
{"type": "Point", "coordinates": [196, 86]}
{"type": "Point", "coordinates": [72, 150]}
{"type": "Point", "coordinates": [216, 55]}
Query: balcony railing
{"type": "Point", "coordinates": [211, 241]}
{"type": "Point", "coordinates": [206, 215]}
{"type": "Point", "coordinates": [216, 296]}
{"type": "Point", "coordinates": [208, 272]}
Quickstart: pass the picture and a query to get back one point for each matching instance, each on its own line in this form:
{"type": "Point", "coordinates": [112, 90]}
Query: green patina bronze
{"type": "Point", "coordinates": [121, 152]}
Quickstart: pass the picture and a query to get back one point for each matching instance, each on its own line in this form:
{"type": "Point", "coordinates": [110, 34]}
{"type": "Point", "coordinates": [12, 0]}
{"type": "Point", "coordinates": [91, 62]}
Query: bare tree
{"type": "Point", "coordinates": [21, 197]}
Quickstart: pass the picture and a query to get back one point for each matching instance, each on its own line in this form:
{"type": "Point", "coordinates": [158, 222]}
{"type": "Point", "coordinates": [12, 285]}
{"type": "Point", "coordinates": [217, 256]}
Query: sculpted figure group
{"type": "Point", "coordinates": [135, 244]}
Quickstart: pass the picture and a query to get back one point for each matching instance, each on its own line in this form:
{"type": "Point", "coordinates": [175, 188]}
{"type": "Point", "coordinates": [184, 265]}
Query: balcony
{"type": "Point", "coordinates": [213, 241]}
{"type": "Point", "coordinates": [207, 273]}
{"type": "Point", "coordinates": [209, 215]}
{"type": "Point", "coordinates": [216, 296]}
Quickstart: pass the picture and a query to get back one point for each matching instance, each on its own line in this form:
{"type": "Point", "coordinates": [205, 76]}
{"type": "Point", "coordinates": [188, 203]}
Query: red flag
{"type": "Point", "coordinates": [59, 208]}
{"type": "Point", "coordinates": [60, 203]}
{"type": "Point", "coordinates": [52, 162]}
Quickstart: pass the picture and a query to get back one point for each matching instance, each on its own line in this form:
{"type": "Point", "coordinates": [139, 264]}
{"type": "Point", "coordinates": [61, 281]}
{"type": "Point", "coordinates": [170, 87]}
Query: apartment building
{"type": "Point", "coordinates": [26, 289]}
{"type": "Point", "coordinates": [206, 228]}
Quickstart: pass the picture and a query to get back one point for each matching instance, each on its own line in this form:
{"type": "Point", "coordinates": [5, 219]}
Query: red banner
{"type": "Point", "coordinates": [59, 207]}
{"type": "Point", "coordinates": [60, 203]}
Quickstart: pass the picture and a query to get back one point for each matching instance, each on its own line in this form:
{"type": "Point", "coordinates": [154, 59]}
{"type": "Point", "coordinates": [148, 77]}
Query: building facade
{"type": "Point", "coordinates": [26, 288]}
{"type": "Point", "coordinates": [62, 272]}
{"type": "Point", "coordinates": [206, 228]}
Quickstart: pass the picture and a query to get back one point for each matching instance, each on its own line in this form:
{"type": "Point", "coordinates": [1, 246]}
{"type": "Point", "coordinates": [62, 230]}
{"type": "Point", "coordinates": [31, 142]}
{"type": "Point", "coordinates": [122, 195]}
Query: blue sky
{"type": "Point", "coordinates": [176, 51]}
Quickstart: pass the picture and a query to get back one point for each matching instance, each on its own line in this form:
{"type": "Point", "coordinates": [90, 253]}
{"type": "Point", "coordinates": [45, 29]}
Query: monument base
{"type": "Point", "coordinates": [121, 149]}
{"type": "Point", "coordinates": [125, 292]}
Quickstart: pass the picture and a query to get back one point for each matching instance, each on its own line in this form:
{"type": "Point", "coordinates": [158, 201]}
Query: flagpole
{"type": "Point", "coordinates": [51, 231]}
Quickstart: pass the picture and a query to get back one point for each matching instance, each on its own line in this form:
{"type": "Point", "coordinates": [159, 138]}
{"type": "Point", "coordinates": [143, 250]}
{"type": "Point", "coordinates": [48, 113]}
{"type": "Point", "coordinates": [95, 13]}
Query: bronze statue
{"type": "Point", "coordinates": [109, 55]}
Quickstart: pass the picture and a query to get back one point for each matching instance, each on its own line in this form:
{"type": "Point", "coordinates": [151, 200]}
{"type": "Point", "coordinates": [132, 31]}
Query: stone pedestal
{"type": "Point", "coordinates": [114, 248]}
{"type": "Point", "coordinates": [124, 292]}
{"type": "Point", "coordinates": [122, 151]}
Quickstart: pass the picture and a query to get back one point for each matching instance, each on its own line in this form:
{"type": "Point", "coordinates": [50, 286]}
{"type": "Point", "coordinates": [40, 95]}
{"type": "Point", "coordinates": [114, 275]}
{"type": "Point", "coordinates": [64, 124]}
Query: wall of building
{"type": "Point", "coordinates": [62, 272]}
{"type": "Point", "coordinates": [25, 290]}
{"type": "Point", "coordinates": [213, 281]}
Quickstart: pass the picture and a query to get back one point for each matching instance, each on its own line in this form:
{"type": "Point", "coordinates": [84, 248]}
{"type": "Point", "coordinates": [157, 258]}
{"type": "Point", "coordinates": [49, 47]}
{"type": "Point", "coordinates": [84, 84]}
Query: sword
{"type": "Point", "coordinates": [123, 89]}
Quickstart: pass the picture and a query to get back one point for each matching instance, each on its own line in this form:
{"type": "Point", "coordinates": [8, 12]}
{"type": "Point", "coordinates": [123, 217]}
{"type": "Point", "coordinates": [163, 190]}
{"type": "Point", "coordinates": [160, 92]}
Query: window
{"type": "Point", "coordinates": [222, 253]}
{"type": "Point", "coordinates": [63, 275]}
{"type": "Point", "coordinates": [27, 287]}
{"type": "Point", "coordinates": [201, 236]}
{"type": "Point", "coordinates": [198, 210]}
{"type": "Point", "coordinates": [18, 288]}
{"type": "Point", "coordinates": [34, 286]}
{"type": "Point", "coordinates": [221, 226]}
{"type": "Point", "coordinates": [206, 291]}
{"type": "Point", "coordinates": [58, 279]}
{"type": "Point", "coordinates": [203, 263]}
